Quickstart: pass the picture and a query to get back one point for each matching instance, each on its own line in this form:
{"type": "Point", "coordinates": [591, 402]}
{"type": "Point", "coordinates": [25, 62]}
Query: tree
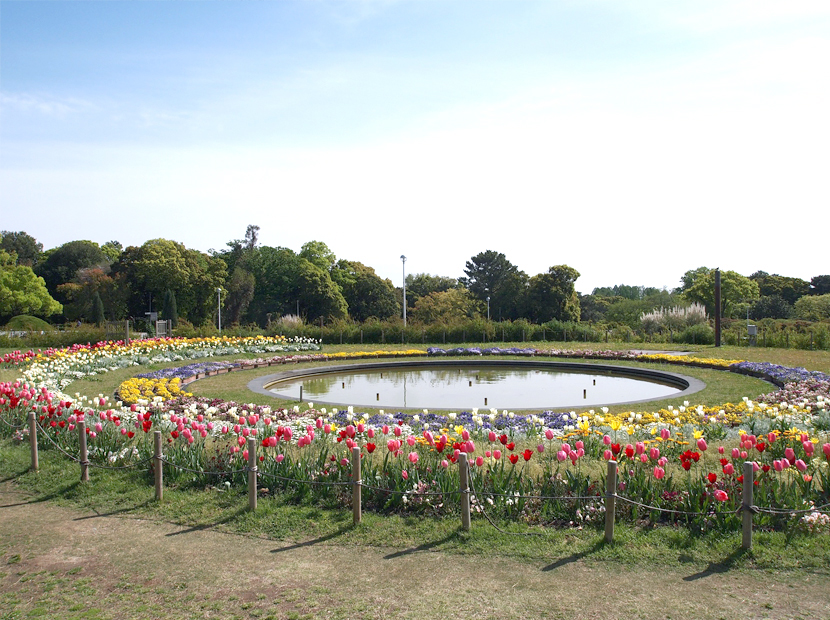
{"type": "Point", "coordinates": [98, 310]}
{"type": "Point", "coordinates": [735, 289]}
{"type": "Point", "coordinates": [113, 250]}
{"type": "Point", "coordinates": [251, 237]}
{"type": "Point", "coordinates": [240, 293]}
{"type": "Point", "coordinates": [62, 264]}
{"type": "Point", "coordinates": [169, 312]}
{"type": "Point", "coordinates": [26, 247]}
{"type": "Point", "coordinates": [420, 284]}
{"type": "Point", "coordinates": [318, 253]}
{"type": "Point", "coordinates": [490, 274]}
{"type": "Point", "coordinates": [691, 276]}
{"type": "Point", "coordinates": [625, 291]}
{"type": "Point", "coordinates": [78, 294]}
{"type": "Point", "coordinates": [552, 295]}
{"type": "Point", "coordinates": [813, 308]}
{"type": "Point", "coordinates": [22, 292]}
{"type": "Point", "coordinates": [820, 285]}
{"type": "Point", "coordinates": [446, 306]}
{"type": "Point", "coordinates": [161, 264]}
{"type": "Point", "coordinates": [284, 280]}
{"type": "Point", "coordinates": [771, 307]}
{"type": "Point", "coordinates": [789, 289]}
{"type": "Point", "coordinates": [367, 294]}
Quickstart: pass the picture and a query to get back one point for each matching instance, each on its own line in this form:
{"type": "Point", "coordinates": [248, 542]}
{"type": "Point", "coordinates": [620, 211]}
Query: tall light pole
{"type": "Point", "coordinates": [488, 307]}
{"type": "Point", "coordinates": [403, 266]}
{"type": "Point", "coordinates": [219, 307]}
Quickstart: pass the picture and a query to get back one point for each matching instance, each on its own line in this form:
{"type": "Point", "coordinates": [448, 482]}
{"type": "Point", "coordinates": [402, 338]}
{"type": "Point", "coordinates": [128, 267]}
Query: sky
{"type": "Point", "coordinates": [632, 140]}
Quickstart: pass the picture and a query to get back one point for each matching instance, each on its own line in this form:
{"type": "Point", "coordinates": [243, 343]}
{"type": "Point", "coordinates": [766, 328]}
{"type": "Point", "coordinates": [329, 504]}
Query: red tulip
{"type": "Point", "coordinates": [514, 458]}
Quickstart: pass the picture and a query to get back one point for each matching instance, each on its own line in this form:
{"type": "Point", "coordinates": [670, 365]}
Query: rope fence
{"type": "Point", "coordinates": [466, 491]}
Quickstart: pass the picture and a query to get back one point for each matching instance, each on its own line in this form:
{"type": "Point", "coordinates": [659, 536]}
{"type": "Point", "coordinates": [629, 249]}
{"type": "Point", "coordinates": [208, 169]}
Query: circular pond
{"type": "Point", "coordinates": [465, 384]}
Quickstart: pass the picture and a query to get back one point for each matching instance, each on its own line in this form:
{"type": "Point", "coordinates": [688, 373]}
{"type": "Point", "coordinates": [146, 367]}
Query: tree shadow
{"type": "Point", "coordinates": [208, 526]}
{"type": "Point", "coordinates": [576, 556]}
{"type": "Point", "coordinates": [424, 547]}
{"type": "Point", "coordinates": [718, 568]}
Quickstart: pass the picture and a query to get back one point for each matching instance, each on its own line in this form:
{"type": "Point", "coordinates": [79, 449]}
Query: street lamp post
{"type": "Point", "coordinates": [488, 307]}
{"type": "Point", "coordinates": [403, 267]}
{"type": "Point", "coordinates": [219, 307]}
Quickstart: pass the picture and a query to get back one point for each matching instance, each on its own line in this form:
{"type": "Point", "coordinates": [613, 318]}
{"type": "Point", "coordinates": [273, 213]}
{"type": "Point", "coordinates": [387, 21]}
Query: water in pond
{"type": "Point", "coordinates": [469, 387]}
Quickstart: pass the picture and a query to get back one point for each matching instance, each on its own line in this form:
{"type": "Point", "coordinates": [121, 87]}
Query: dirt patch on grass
{"type": "Point", "coordinates": [69, 564]}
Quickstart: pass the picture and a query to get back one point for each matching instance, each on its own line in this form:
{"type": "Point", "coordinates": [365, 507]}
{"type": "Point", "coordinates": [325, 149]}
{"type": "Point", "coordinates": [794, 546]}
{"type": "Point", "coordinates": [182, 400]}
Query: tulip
{"type": "Point", "coordinates": [778, 464]}
{"type": "Point", "coordinates": [659, 473]}
{"type": "Point", "coordinates": [826, 449]}
{"type": "Point", "coordinates": [606, 440]}
{"type": "Point", "coordinates": [413, 457]}
{"type": "Point", "coordinates": [801, 465]}
{"type": "Point", "coordinates": [548, 434]}
{"type": "Point", "coordinates": [607, 455]}
{"type": "Point", "coordinates": [721, 495]}
{"type": "Point", "coordinates": [701, 444]}
{"type": "Point", "coordinates": [479, 461]}
{"type": "Point", "coordinates": [654, 453]}
{"type": "Point", "coordinates": [664, 433]}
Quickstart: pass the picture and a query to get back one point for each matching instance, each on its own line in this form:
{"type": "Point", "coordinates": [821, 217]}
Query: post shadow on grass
{"type": "Point", "coordinates": [310, 543]}
{"type": "Point", "coordinates": [208, 526]}
{"type": "Point", "coordinates": [718, 568]}
{"type": "Point", "coordinates": [576, 556]}
{"type": "Point", "coordinates": [113, 513]}
{"type": "Point", "coordinates": [424, 547]}
{"type": "Point", "coordinates": [49, 496]}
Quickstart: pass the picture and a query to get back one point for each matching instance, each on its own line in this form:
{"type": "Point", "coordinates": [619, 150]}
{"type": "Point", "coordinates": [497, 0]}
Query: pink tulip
{"type": "Point", "coordinates": [701, 444]}
{"type": "Point", "coordinates": [561, 456]}
{"type": "Point", "coordinates": [771, 437]}
{"type": "Point", "coordinates": [755, 466]}
{"type": "Point", "coordinates": [728, 469]}
{"type": "Point", "coordinates": [640, 448]}
{"type": "Point", "coordinates": [720, 450]}
{"type": "Point", "coordinates": [497, 454]}
{"type": "Point", "coordinates": [801, 465]}
{"type": "Point", "coordinates": [465, 435]}
{"type": "Point", "coordinates": [721, 495]}
{"type": "Point", "coordinates": [579, 445]}
{"type": "Point", "coordinates": [664, 433]}
{"type": "Point", "coordinates": [397, 431]}
{"type": "Point", "coordinates": [470, 447]}
{"type": "Point", "coordinates": [410, 441]}
{"type": "Point", "coordinates": [370, 433]}
{"type": "Point", "coordinates": [643, 458]}
{"type": "Point", "coordinates": [360, 427]}
{"type": "Point", "coordinates": [318, 423]}
{"type": "Point", "coordinates": [789, 453]}
{"type": "Point", "coordinates": [548, 435]}
{"type": "Point", "coordinates": [279, 458]}
{"type": "Point", "coordinates": [736, 453]}
{"type": "Point", "coordinates": [566, 448]}
{"type": "Point", "coordinates": [654, 453]}
{"type": "Point", "coordinates": [808, 447]}
{"type": "Point", "coordinates": [606, 440]}
{"type": "Point", "coordinates": [479, 461]}
{"type": "Point", "coordinates": [344, 462]}
{"type": "Point", "coordinates": [404, 475]}
{"type": "Point", "coordinates": [778, 464]}
{"type": "Point", "coordinates": [659, 473]}
{"type": "Point", "coordinates": [413, 457]}
{"type": "Point", "coordinates": [385, 429]}
{"type": "Point", "coordinates": [445, 464]}
{"type": "Point", "coordinates": [662, 461]}
{"type": "Point", "coordinates": [540, 448]}
{"type": "Point", "coordinates": [491, 436]}
{"type": "Point", "coordinates": [826, 449]}
{"type": "Point", "coordinates": [488, 453]}
{"type": "Point", "coordinates": [607, 455]}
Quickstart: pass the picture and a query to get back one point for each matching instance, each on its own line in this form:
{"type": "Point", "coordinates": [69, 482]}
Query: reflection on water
{"type": "Point", "coordinates": [468, 387]}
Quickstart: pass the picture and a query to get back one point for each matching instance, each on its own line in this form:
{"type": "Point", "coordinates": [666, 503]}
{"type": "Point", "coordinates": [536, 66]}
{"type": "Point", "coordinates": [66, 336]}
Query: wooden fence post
{"type": "Point", "coordinates": [464, 487]}
{"type": "Point", "coordinates": [252, 471]}
{"type": "Point", "coordinates": [356, 486]}
{"type": "Point", "coordinates": [84, 460]}
{"type": "Point", "coordinates": [158, 465]}
{"type": "Point", "coordinates": [33, 441]}
{"type": "Point", "coordinates": [747, 501]}
{"type": "Point", "coordinates": [610, 500]}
